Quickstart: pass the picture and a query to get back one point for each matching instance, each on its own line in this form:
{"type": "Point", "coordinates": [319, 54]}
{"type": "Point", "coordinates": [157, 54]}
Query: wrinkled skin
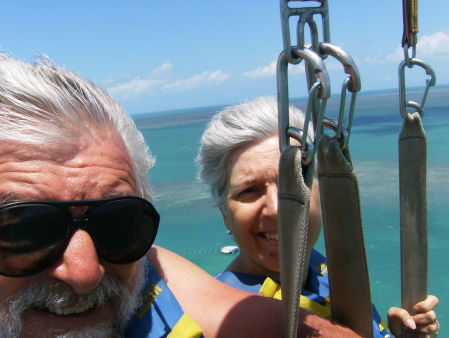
{"type": "Point", "coordinates": [98, 168]}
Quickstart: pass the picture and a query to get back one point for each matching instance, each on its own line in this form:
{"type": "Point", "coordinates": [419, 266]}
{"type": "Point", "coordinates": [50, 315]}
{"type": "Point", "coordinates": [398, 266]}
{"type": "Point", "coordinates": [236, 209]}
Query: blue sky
{"type": "Point", "coordinates": [164, 55]}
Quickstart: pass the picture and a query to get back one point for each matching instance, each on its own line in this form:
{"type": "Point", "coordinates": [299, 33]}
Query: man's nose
{"type": "Point", "coordinates": [79, 266]}
{"type": "Point", "coordinates": [271, 201]}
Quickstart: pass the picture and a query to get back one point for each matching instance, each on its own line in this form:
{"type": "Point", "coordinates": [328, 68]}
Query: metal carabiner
{"type": "Point", "coordinates": [430, 82]}
{"type": "Point", "coordinates": [305, 14]}
{"type": "Point", "coordinates": [337, 125]}
{"type": "Point", "coordinates": [307, 18]}
{"type": "Point", "coordinates": [352, 84]}
{"type": "Point", "coordinates": [320, 90]}
{"type": "Point", "coordinates": [407, 57]}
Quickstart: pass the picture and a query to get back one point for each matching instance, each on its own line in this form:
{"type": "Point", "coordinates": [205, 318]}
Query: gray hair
{"type": "Point", "coordinates": [42, 104]}
{"type": "Point", "coordinates": [232, 128]}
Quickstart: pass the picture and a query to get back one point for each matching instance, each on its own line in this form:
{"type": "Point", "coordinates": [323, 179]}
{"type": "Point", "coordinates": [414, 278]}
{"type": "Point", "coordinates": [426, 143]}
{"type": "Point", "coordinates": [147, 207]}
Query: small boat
{"type": "Point", "coordinates": [230, 249]}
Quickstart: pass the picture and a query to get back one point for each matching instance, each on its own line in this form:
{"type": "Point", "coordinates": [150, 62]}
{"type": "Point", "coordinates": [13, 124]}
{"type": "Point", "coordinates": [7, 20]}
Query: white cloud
{"type": "Point", "coordinates": [163, 69]}
{"type": "Point", "coordinates": [262, 72]}
{"type": "Point", "coordinates": [161, 80]}
{"type": "Point", "coordinates": [206, 78]}
{"type": "Point", "coordinates": [434, 46]}
{"type": "Point", "coordinates": [135, 87]}
{"type": "Point", "coordinates": [397, 56]}
{"type": "Point", "coordinates": [270, 71]}
{"type": "Point", "coordinates": [138, 85]}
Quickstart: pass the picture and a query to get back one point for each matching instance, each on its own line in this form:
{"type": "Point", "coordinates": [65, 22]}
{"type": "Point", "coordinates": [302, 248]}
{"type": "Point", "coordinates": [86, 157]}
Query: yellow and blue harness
{"type": "Point", "coordinates": [315, 294]}
{"type": "Point", "coordinates": [160, 314]}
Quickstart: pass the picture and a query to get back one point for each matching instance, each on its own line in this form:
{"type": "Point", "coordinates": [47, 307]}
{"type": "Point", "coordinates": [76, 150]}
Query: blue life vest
{"type": "Point", "coordinates": [160, 314]}
{"type": "Point", "coordinates": [315, 294]}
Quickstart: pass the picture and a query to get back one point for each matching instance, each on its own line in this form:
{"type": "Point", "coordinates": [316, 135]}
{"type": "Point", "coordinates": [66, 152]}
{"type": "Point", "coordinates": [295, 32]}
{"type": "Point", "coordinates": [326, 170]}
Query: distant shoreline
{"type": "Point", "coordinates": [388, 98]}
{"type": "Point", "coordinates": [213, 108]}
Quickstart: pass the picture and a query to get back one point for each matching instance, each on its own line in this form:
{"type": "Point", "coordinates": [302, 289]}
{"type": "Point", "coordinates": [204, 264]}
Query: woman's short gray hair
{"type": "Point", "coordinates": [42, 104]}
{"type": "Point", "coordinates": [232, 128]}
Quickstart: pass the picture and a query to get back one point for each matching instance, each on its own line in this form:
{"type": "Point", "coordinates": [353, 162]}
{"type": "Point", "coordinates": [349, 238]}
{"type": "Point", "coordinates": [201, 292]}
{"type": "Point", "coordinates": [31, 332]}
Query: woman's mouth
{"type": "Point", "coordinates": [272, 236]}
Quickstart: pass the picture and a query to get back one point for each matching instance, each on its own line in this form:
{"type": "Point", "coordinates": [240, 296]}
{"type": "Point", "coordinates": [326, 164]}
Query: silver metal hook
{"type": "Point", "coordinates": [304, 13]}
{"type": "Point", "coordinates": [319, 91]}
{"type": "Point", "coordinates": [352, 84]}
{"type": "Point", "coordinates": [407, 57]}
{"type": "Point", "coordinates": [430, 82]}
{"type": "Point", "coordinates": [307, 18]}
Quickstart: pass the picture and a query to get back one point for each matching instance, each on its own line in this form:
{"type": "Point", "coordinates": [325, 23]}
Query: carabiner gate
{"type": "Point", "coordinates": [322, 83]}
{"type": "Point", "coordinates": [430, 82]}
{"type": "Point", "coordinates": [352, 84]}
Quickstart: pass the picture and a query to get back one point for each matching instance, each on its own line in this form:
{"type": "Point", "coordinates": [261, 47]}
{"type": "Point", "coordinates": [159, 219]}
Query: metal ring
{"type": "Point", "coordinates": [437, 332]}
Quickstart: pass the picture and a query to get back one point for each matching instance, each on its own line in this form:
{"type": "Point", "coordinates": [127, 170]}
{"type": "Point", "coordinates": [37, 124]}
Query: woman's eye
{"type": "Point", "coordinates": [248, 192]}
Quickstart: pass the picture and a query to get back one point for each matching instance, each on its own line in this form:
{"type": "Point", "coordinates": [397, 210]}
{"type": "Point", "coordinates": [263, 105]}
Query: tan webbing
{"type": "Point", "coordinates": [345, 250]}
{"type": "Point", "coordinates": [412, 186]}
{"type": "Point", "coordinates": [293, 219]}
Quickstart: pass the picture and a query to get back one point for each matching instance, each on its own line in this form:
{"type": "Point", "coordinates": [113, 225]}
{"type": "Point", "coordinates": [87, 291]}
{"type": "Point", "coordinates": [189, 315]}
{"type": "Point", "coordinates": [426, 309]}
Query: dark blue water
{"type": "Point", "coordinates": [192, 227]}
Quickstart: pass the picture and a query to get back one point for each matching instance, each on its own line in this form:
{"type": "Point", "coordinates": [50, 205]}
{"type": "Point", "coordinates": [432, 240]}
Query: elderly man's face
{"type": "Point", "coordinates": [80, 293]}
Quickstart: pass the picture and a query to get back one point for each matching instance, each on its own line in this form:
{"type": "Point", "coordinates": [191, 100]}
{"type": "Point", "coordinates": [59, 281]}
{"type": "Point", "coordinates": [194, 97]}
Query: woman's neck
{"type": "Point", "coordinates": [239, 264]}
{"type": "Point", "coordinates": [243, 266]}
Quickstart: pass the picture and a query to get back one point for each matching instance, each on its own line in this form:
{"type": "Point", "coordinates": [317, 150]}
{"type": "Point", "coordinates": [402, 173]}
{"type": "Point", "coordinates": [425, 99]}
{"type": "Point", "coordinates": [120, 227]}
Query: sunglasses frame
{"type": "Point", "coordinates": [83, 222]}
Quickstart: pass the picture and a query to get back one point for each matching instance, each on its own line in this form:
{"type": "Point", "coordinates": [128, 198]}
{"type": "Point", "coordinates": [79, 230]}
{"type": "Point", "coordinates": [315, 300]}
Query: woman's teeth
{"type": "Point", "coordinates": [271, 236]}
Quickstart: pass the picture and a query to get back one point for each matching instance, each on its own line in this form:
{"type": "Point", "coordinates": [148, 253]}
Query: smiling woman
{"type": "Point", "coordinates": [238, 159]}
{"type": "Point", "coordinates": [250, 211]}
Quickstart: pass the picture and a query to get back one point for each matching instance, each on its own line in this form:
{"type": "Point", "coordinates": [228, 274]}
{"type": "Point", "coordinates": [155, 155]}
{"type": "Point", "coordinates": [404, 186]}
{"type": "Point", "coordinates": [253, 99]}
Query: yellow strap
{"type": "Point", "coordinates": [273, 290]}
{"type": "Point", "coordinates": [270, 289]}
{"type": "Point", "coordinates": [383, 326]}
{"type": "Point", "coordinates": [149, 296]}
{"type": "Point", "coordinates": [186, 327]}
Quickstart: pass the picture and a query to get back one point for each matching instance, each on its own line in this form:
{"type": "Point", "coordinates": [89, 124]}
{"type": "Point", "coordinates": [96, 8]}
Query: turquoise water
{"type": "Point", "coordinates": [192, 227]}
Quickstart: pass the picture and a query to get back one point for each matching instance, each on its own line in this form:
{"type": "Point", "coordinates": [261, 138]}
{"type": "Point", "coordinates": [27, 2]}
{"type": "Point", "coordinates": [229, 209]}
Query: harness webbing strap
{"type": "Point", "coordinates": [345, 250]}
{"type": "Point", "coordinates": [294, 185]}
{"type": "Point", "coordinates": [410, 20]}
{"type": "Point", "coordinates": [413, 206]}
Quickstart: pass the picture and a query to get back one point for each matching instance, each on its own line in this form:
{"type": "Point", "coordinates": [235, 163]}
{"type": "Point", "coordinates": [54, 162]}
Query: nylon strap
{"type": "Point", "coordinates": [345, 250]}
{"type": "Point", "coordinates": [410, 20]}
{"type": "Point", "coordinates": [294, 187]}
{"type": "Point", "coordinates": [186, 327]}
{"type": "Point", "coordinates": [412, 187]}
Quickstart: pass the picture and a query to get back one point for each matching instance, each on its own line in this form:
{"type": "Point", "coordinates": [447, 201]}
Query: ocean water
{"type": "Point", "coordinates": [192, 226]}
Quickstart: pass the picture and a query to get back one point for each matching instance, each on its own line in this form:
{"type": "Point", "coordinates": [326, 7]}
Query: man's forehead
{"type": "Point", "coordinates": [22, 152]}
{"type": "Point", "coordinates": [101, 168]}
{"type": "Point", "coordinates": [64, 145]}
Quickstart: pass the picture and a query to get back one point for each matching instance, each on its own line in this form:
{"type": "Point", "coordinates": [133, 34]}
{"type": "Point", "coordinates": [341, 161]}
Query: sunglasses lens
{"type": "Point", "coordinates": [123, 230]}
{"type": "Point", "coordinates": [32, 237]}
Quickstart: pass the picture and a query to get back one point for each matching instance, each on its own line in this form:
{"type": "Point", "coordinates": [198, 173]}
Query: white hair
{"type": "Point", "coordinates": [232, 128]}
{"type": "Point", "coordinates": [42, 104]}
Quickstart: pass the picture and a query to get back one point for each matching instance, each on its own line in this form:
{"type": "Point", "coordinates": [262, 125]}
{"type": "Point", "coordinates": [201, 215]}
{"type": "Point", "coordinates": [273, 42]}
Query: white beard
{"type": "Point", "coordinates": [110, 293]}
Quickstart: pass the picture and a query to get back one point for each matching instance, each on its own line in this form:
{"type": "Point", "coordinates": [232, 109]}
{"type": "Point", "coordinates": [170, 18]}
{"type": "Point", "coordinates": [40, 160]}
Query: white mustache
{"type": "Point", "coordinates": [60, 299]}
{"type": "Point", "coordinates": [45, 294]}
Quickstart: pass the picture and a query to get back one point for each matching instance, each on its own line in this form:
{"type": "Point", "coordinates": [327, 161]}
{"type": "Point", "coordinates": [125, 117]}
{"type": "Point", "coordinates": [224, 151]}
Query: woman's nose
{"type": "Point", "coordinates": [271, 201]}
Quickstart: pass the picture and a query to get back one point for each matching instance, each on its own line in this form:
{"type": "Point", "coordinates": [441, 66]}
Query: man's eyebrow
{"type": "Point", "coordinates": [10, 197]}
{"type": "Point", "coordinates": [116, 194]}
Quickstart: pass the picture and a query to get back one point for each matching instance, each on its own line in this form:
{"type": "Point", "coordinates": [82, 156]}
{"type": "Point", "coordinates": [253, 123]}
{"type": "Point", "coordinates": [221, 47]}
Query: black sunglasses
{"type": "Point", "coordinates": [35, 234]}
